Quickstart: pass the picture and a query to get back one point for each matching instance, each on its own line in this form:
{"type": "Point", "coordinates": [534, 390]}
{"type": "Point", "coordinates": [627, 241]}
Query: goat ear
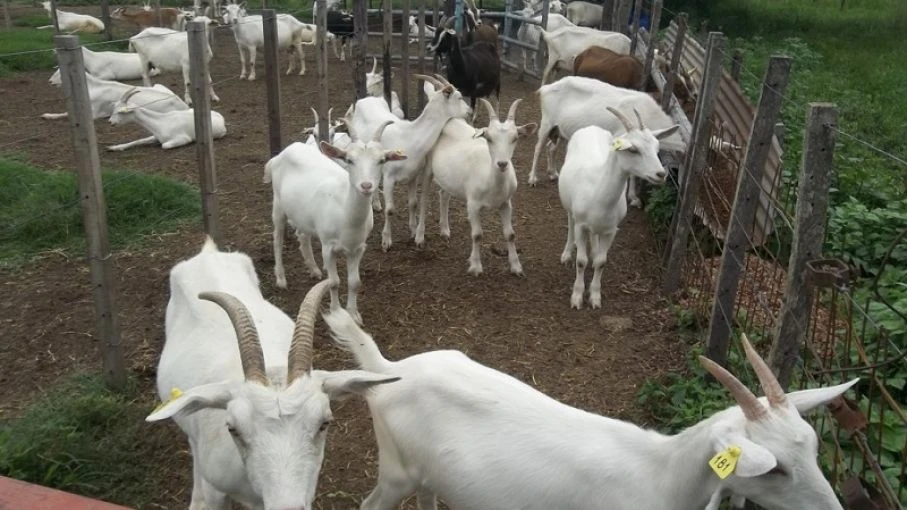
{"type": "Point", "coordinates": [807, 400]}
{"type": "Point", "coordinates": [527, 129]}
{"type": "Point", "coordinates": [753, 459]}
{"type": "Point", "coordinates": [395, 155]}
{"type": "Point", "coordinates": [331, 151]}
{"type": "Point", "coordinates": [664, 133]}
{"type": "Point", "coordinates": [206, 396]}
{"type": "Point", "coordinates": [428, 88]}
{"type": "Point", "coordinates": [447, 90]}
{"type": "Point", "coordinates": [343, 384]}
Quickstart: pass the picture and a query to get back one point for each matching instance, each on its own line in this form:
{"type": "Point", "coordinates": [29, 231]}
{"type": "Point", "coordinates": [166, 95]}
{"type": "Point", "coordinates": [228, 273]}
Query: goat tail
{"type": "Point", "coordinates": [131, 47]}
{"type": "Point", "coordinates": [210, 244]}
{"type": "Point", "coordinates": [267, 176]}
{"type": "Point", "coordinates": [350, 337]}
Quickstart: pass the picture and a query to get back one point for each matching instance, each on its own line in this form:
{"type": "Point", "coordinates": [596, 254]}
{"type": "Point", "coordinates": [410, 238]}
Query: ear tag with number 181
{"type": "Point", "coordinates": [724, 463]}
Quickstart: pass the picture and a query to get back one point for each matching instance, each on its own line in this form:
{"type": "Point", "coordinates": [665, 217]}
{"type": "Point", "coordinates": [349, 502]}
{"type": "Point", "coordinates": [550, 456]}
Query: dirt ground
{"type": "Point", "coordinates": [412, 300]}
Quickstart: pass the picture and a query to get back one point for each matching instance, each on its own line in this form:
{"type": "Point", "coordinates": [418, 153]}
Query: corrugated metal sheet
{"type": "Point", "coordinates": [735, 113]}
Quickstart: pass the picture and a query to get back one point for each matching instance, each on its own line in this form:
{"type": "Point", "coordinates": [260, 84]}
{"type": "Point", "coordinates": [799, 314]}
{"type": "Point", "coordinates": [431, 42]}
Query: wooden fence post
{"type": "Point", "coordinates": [607, 14]}
{"type": "Point", "coordinates": [436, 20]}
{"type": "Point", "coordinates": [360, 45]}
{"type": "Point", "coordinates": [94, 210]}
{"type": "Point", "coordinates": [650, 48]}
{"type": "Point", "coordinates": [386, 59]}
{"type": "Point", "coordinates": [419, 91]}
{"type": "Point", "coordinates": [53, 17]}
{"type": "Point", "coordinates": [7, 17]}
{"type": "Point", "coordinates": [634, 35]}
{"type": "Point", "coordinates": [620, 20]}
{"type": "Point", "coordinates": [694, 164]}
{"type": "Point", "coordinates": [508, 27]}
{"type": "Point", "coordinates": [779, 134]}
{"type": "Point", "coordinates": [272, 76]}
{"type": "Point", "coordinates": [105, 17]}
{"type": "Point", "coordinates": [404, 54]}
{"type": "Point", "coordinates": [204, 139]}
{"type": "Point", "coordinates": [736, 64]}
{"type": "Point", "coordinates": [540, 55]}
{"type": "Point", "coordinates": [668, 91]}
{"type": "Point", "coordinates": [157, 13]}
{"type": "Point", "coordinates": [321, 62]}
{"type": "Point", "coordinates": [809, 236]}
{"type": "Point", "coordinates": [746, 201]}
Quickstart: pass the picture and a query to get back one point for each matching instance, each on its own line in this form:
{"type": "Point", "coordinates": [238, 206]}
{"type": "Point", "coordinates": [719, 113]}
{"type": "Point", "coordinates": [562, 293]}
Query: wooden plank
{"type": "Point", "coordinates": [94, 209]}
{"type": "Point", "coordinates": [694, 165]}
{"type": "Point", "coordinates": [675, 61]}
{"type": "Point", "coordinates": [404, 54]}
{"type": "Point", "coordinates": [321, 62]}
{"type": "Point", "coordinates": [650, 50]}
{"type": "Point", "coordinates": [105, 18]}
{"type": "Point", "coordinates": [386, 59]}
{"type": "Point", "coordinates": [204, 140]}
{"type": "Point", "coordinates": [542, 51]}
{"type": "Point", "coordinates": [360, 47]}
{"type": "Point", "coordinates": [16, 494]}
{"type": "Point", "coordinates": [272, 76]}
{"type": "Point", "coordinates": [607, 14]}
{"type": "Point", "coordinates": [53, 16]}
{"type": "Point", "coordinates": [157, 13]}
{"type": "Point", "coordinates": [744, 210]}
{"type": "Point", "coordinates": [809, 236]}
{"type": "Point", "coordinates": [637, 8]}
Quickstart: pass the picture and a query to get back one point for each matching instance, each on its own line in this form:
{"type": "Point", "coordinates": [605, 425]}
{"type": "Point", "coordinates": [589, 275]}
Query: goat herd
{"type": "Point", "coordinates": [447, 427]}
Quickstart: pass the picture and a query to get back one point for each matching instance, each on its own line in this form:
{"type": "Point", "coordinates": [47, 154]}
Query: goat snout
{"type": "Point", "coordinates": [502, 165]}
{"type": "Point", "coordinates": [366, 187]}
{"type": "Point", "coordinates": [659, 177]}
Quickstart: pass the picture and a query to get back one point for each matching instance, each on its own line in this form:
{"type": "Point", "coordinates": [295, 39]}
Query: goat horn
{"type": "Point", "coordinates": [250, 355]}
{"type": "Point", "coordinates": [330, 110]}
{"type": "Point", "coordinates": [752, 409]}
{"type": "Point", "coordinates": [380, 132]}
{"type": "Point", "coordinates": [129, 93]}
{"type": "Point", "coordinates": [315, 113]}
{"type": "Point", "coordinates": [770, 385]}
{"type": "Point", "coordinates": [511, 114]}
{"type": "Point", "coordinates": [429, 79]}
{"type": "Point", "coordinates": [374, 65]}
{"type": "Point", "coordinates": [300, 358]}
{"type": "Point", "coordinates": [442, 79]}
{"type": "Point", "coordinates": [622, 118]}
{"type": "Point", "coordinates": [492, 115]}
{"type": "Point", "coordinates": [639, 119]}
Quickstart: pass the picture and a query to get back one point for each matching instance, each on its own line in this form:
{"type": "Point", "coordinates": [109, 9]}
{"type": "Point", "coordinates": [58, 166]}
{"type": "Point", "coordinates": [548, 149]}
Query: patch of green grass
{"type": "Point", "coordinates": [40, 210]}
{"type": "Point", "coordinates": [83, 438]}
{"type": "Point", "coordinates": [24, 38]}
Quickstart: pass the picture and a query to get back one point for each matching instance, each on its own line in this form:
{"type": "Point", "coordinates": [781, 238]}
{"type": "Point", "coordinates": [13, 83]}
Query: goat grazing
{"type": "Point", "coordinates": [574, 102]}
{"type": "Point", "coordinates": [415, 138]}
{"type": "Point", "coordinates": [593, 186]}
{"type": "Point", "coordinates": [249, 34]}
{"type": "Point", "coordinates": [475, 166]}
{"type": "Point", "coordinates": [71, 22]}
{"type": "Point", "coordinates": [584, 14]}
{"type": "Point", "coordinates": [476, 438]}
{"type": "Point", "coordinates": [475, 70]}
{"type": "Point", "coordinates": [255, 416]}
{"type": "Point", "coordinates": [171, 17]}
{"type": "Point", "coordinates": [530, 33]}
{"type": "Point", "coordinates": [321, 199]}
{"type": "Point", "coordinates": [168, 51]}
{"type": "Point", "coordinates": [565, 43]}
{"type": "Point", "coordinates": [374, 84]}
{"type": "Point", "coordinates": [171, 129]}
{"type": "Point", "coordinates": [105, 94]}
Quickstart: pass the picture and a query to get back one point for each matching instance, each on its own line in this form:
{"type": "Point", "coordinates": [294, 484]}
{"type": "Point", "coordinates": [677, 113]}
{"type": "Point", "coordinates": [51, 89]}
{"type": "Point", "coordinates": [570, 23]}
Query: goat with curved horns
{"type": "Point", "coordinates": [255, 416]}
{"type": "Point", "coordinates": [479, 439]}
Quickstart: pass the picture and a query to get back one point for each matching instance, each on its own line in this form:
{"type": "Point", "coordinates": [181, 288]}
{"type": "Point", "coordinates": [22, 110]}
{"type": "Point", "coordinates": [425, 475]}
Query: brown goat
{"type": "Point", "coordinates": [171, 17]}
{"type": "Point", "coordinates": [610, 67]}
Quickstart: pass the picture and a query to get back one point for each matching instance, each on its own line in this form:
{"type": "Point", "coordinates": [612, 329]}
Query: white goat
{"type": "Point", "coordinates": [584, 14]}
{"type": "Point", "coordinates": [415, 138]}
{"type": "Point", "coordinates": [321, 199]}
{"type": "Point", "coordinates": [71, 22]}
{"type": "Point", "coordinates": [374, 84]}
{"type": "Point", "coordinates": [475, 166]}
{"type": "Point", "coordinates": [530, 34]}
{"type": "Point", "coordinates": [592, 187]}
{"type": "Point", "coordinates": [339, 140]}
{"type": "Point", "coordinates": [574, 102]}
{"type": "Point", "coordinates": [168, 51]}
{"type": "Point", "coordinates": [565, 43]}
{"type": "Point", "coordinates": [477, 438]}
{"type": "Point", "coordinates": [249, 34]}
{"type": "Point", "coordinates": [110, 65]}
{"type": "Point", "coordinates": [414, 31]}
{"type": "Point", "coordinates": [105, 94]}
{"type": "Point", "coordinates": [171, 129]}
{"type": "Point", "coordinates": [255, 416]}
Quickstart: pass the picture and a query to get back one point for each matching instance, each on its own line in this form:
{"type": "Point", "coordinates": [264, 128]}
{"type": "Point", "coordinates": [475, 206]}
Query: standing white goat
{"type": "Point", "coordinates": [565, 43]}
{"type": "Point", "coordinates": [255, 416]}
{"type": "Point", "coordinates": [530, 34]}
{"type": "Point", "coordinates": [105, 94]}
{"type": "Point", "coordinates": [415, 138]}
{"type": "Point", "coordinates": [477, 438]}
{"type": "Point", "coordinates": [321, 199]}
{"type": "Point", "coordinates": [475, 166]}
{"type": "Point", "coordinates": [71, 22]}
{"type": "Point", "coordinates": [414, 31]}
{"type": "Point", "coordinates": [171, 129]}
{"type": "Point", "coordinates": [168, 51]}
{"type": "Point", "coordinates": [374, 84]}
{"type": "Point", "coordinates": [593, 187]}
{"type": "Point", "coordinates": [110, 65]}
{"type": "Point", "coordinates": [249, 34]}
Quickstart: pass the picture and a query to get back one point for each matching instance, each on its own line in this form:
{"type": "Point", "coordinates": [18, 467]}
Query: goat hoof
{"type": "Point", "coordinates": [386, 245]}
{"type": "Point", "coordinates": [566, 257]}
{"type": "Point", "coordinates": [516, 271]}
{"type": "Point", "coordinates": [316, 274]}
{"type": "Point", "coordinates": [475, 270]}
{"type": "Point", "coordinates": [576, 302]}
{"type": "Point", "coordinates": [281, 282]}
{"type": "Point", "coordinates": [595, 302]}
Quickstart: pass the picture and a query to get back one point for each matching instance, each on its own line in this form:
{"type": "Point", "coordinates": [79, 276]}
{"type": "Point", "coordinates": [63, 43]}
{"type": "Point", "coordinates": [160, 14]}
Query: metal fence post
{"type": "Point", "coordinates": [650, 48]}
{"type": "Point", "coordinates": [668, 91]}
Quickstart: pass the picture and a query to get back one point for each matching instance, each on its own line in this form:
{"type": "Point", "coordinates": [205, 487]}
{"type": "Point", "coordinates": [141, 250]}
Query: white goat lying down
{"type": "Point", "coordinates": [593, 186]}
{"type": "Point", "coordinates": [105, 94]}
{"type": "Point", "coordinates": [321, 199]}
{"type": "Point", "coordinates": [171, 129]}
{"type": "Point", "coordinates": [479, 439]}
{"type": "Point", "coordinates": [255, 416]}
{"type": "Point", "coordinates": [374, 84]}
{"type": "Point", "coordinates": [168, 51]}
{"type": "Point", "coordinates": [71, 22]}
{"type": "Point", "coordinates": [249, 34]}
{"type": "Point", "coordinates": [475, 166]}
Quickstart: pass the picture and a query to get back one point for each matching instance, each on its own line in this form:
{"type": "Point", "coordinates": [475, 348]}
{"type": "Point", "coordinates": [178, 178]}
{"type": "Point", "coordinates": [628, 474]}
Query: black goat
{"type": "Point", "coordinates": [340, 24]}
{"type": "Point", "coordinates": [475, 70]}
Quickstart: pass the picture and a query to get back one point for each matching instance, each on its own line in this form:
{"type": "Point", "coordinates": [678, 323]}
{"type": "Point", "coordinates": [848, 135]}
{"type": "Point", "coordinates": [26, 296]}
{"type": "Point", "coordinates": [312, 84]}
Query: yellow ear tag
{"type": "Point", "coordinates": [724, 463]}
{"type": "Point", "coordinates": [175, 393]}
{"type": "Point", "coordinates": [618, 145]}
